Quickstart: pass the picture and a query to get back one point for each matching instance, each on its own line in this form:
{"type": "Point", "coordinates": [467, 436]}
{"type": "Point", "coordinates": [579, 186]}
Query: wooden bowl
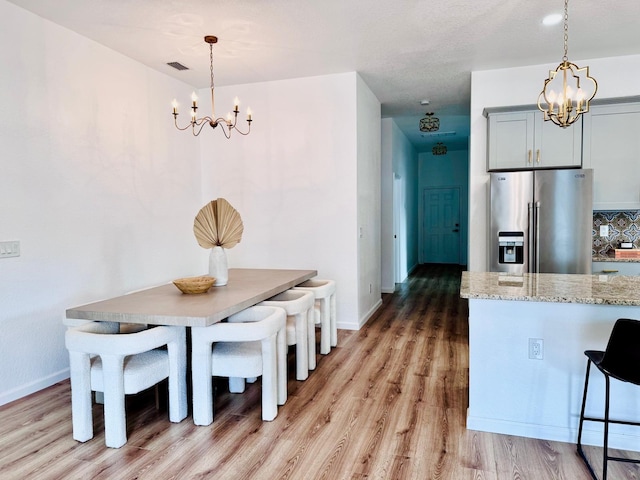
{"type": "Point", "coordinates": [200, 284]}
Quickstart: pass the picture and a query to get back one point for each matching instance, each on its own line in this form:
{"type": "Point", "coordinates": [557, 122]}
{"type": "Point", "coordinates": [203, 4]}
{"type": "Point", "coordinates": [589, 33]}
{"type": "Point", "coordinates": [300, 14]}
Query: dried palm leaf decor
{"type": "Point", "coordinates": [218, 226]}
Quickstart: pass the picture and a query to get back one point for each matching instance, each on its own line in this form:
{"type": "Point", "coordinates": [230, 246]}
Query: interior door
{"type": "Point", "coordinates": [399, 216]}
{"type": "Point", "coordinates": [441, 225]}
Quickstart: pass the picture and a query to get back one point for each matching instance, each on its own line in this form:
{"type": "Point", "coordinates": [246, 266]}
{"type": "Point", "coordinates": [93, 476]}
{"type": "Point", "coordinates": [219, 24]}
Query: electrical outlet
{"type": "Point", "coordinates": [536, 348]}
{"type": "Point", "coordinates": [604, 230]}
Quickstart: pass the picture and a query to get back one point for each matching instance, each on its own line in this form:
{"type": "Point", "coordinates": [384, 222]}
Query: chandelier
{"type": "Point", "coordinates": [197, 124]}
{"type": "Point", "coordinates": [429, 123]}
{"type": "Point", "coordinates": [569, 89]}
{"type": "Point", "coordinates": [439, 149]}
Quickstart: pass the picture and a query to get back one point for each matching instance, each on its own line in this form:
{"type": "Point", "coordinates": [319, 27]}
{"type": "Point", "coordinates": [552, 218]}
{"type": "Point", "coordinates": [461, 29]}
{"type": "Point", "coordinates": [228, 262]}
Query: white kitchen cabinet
{"type": "Point", "coordinates": [611, 147]}
{"type": "Point", "coordinates": [523, 140]}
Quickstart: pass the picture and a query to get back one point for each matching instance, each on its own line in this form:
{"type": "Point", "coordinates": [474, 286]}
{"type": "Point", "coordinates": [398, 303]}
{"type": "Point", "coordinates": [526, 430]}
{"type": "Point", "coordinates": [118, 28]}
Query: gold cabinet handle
{"type": "Point", "coordinates": [538, 156]}
{"type": "Point", "coordinates": [529, 156]}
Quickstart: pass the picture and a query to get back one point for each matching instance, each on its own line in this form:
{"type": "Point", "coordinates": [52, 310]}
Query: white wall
{"type": "Point", "coordinates": [399, 159]}
{"type": "Point", "coordinates": [368, 183]}
{"type": "Point", "coordinates": [521, 86]}
{"type": "Point", "coordinates": [450, 170]}
{"type": "Point", "coordinates": [95, 183]}
{"type": "Point", "coordinates": [294, 179]}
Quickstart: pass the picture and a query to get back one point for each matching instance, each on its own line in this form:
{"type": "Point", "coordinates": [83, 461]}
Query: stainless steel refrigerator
{"type": "Point", "coordinates": [541, 221]}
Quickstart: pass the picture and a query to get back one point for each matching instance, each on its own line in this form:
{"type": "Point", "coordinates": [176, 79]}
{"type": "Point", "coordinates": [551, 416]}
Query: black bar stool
{"type": "Point", "coordinates": [621, 360]}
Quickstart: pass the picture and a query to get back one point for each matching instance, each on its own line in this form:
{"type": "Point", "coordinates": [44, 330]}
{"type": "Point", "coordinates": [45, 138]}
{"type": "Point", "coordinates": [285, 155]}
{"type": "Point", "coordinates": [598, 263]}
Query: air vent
{"type": "Point", "coordinates": [438, 134]}
{"type": "Point", "coordinates": [177, 66]}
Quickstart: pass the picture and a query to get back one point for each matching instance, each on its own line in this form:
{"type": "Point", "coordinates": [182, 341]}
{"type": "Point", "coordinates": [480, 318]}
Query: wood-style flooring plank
{"type": "Point", "coordinates": [389, 402]}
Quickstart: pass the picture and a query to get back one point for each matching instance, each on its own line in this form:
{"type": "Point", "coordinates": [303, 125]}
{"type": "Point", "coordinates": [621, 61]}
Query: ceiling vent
{"type": "Point", "coordinates": [438, 134]}
{"type": "Point", "coordinates": [177, 66]}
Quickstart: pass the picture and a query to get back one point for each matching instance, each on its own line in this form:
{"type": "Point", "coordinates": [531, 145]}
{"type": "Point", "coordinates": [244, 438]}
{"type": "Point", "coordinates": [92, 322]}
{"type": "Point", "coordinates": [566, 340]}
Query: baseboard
{"type": "Point", "coordinates": [370, 313]}
{"type": "Point", "coordinates": [553, 433]}
{"type": "Point", "coordinates": [33, 387]}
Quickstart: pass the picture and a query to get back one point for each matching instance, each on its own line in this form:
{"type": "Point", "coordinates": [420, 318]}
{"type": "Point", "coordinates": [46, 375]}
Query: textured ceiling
{"type": "Point", "coordinates": [405, 50]}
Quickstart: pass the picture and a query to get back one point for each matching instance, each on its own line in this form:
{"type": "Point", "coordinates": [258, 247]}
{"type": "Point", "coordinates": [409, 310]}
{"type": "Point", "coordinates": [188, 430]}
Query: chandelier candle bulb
{"type": "Point", "coordinates": [175, 106]}
{"type": "Point", "coordinates": [194, 99]}
{"type": "Point", "coordinates": [236, 104]}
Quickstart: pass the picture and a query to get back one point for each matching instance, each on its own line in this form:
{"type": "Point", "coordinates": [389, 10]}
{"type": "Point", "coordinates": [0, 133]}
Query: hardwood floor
{"type": "Point", "coordinates": [388, 403]}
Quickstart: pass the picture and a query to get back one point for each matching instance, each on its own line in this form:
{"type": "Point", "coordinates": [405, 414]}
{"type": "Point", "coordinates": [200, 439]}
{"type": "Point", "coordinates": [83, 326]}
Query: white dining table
{"type": "Point", "coordinates": [166, 305]}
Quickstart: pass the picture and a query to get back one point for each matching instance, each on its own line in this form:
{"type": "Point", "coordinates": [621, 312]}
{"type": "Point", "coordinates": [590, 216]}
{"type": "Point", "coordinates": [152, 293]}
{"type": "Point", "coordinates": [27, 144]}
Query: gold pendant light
{"type": "Point", "coordinates": [429, 123]}
{"type": "Point", "coordinates": [569, 89]}
{"type": "Point", "coordinates": [439, 149]}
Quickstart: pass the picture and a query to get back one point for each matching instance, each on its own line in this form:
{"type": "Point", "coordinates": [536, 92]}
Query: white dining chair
{"type": "Point", "coordinates": [249, 344]}
{"type": "Point", "coordinates": [324, 292]}
{"type": "Point", "coordinates": [103, 360]}
{"type": "Point", "coordinates": [300, 327]}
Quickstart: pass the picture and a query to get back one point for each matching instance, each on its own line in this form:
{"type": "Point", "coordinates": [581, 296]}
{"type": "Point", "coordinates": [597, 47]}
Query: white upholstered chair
{"type": "Point", "coordinates": [103, 360]}
{"type": "Point", "coordinates": [325, 310]}
{"type": "Point", "coordinates": [300, 327]}
{"type": "Point", "coordinates": [251, 343]}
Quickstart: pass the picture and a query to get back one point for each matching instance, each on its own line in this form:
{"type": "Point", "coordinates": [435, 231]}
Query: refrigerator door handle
{"type": "Point", "coordinates": [531, 239]}
{"type": "Point", "coordinates": [537, 220]}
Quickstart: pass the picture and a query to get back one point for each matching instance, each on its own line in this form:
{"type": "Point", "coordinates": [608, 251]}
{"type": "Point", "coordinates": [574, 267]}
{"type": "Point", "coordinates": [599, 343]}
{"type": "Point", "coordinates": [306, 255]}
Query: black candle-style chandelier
{"type": "Point", "coordinates": [226, 124]}
{"type": "Point", "coordinates": [569, 89]}
{"type": "Point", "coordinates": [429, 123]}
{"type": "Point", "coordinates": [439, 149]}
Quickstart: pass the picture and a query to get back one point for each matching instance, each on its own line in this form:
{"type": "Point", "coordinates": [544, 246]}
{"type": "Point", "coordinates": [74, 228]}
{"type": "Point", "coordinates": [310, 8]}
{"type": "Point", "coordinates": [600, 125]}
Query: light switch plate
{"type": "Point", "coordinates": [604, 230]}
{"type": "Point", "coordinates": [9, 249]}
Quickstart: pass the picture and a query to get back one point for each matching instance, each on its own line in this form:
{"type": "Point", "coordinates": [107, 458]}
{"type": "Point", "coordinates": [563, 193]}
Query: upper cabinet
{"type": "Point", "coordinates": [523, 140]}
{"type": "Point", "coordinates": [612, 148]}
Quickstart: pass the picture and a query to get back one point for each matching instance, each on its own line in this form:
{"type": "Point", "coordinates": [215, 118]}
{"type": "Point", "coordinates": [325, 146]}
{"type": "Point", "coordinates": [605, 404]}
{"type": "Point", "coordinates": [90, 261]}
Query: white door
{"type": "Point", "coordinates": [441, 225]}
{"type": "Point", "coordinates": [399, 214]}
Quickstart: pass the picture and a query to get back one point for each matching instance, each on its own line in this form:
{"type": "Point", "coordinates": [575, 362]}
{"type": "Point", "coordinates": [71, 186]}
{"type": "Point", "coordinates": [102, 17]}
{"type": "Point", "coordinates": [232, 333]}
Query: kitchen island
{"type": "Point", "coordinates": [527, 337]}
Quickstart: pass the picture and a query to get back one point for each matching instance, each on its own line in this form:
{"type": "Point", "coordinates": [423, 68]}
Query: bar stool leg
{"type": "Point", "coordinates": [606, 430]}
{"type": "Point", "coordinates": [584, 403]}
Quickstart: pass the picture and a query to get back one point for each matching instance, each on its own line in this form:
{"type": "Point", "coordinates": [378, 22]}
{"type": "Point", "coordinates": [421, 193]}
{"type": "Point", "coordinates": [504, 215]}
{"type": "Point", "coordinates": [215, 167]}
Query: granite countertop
{"type": "Point", "coordinates": [552, 287]}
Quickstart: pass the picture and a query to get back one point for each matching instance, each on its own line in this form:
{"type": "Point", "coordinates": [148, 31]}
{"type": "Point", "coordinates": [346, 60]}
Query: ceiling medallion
{"type": "Point", "coordinates": [226, 124]}
{"type": "Point", "coordinates": [429, 123]}
{"type": "Point", "coordinates": [569, 89]}
{"type": "Point", "coordinates": [439, 149]}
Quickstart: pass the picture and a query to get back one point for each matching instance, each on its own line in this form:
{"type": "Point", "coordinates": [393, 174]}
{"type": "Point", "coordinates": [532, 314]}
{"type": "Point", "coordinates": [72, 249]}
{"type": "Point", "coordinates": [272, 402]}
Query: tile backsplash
{"type": "Point", "coordinates": [623, 227]}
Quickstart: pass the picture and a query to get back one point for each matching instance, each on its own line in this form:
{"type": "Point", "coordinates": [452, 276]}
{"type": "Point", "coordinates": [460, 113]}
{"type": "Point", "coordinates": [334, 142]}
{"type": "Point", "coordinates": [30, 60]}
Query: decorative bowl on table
{"type": "Point", "coordinates": [200, 284]}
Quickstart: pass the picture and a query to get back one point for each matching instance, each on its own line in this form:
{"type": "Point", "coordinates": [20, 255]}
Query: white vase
{"type": "Point", "coordinates": [218, 268]}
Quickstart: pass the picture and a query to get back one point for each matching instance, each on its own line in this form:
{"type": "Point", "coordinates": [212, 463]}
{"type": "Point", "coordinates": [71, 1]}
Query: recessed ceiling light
{"type": "Point", "coordinates": [552, 19]}
{"type": "Point", "coordinates": [424, 102]}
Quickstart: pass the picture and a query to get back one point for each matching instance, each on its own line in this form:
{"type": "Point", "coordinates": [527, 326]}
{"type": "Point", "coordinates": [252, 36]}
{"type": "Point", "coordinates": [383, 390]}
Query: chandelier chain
{"type": "Point", "coordinates": [566, 30]}
{"type": "Point", "coordinates": [211, 61]}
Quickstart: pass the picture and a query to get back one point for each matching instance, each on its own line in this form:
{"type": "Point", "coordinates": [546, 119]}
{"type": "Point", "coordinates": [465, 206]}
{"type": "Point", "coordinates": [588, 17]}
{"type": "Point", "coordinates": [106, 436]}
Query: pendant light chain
{"type": "Point", "coordinates": [566, 30]}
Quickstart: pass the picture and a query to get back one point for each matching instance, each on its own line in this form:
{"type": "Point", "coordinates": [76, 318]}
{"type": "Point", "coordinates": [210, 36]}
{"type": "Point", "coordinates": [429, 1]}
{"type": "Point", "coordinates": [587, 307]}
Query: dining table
{"type": "Point", "coordinates": [166, 305]}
